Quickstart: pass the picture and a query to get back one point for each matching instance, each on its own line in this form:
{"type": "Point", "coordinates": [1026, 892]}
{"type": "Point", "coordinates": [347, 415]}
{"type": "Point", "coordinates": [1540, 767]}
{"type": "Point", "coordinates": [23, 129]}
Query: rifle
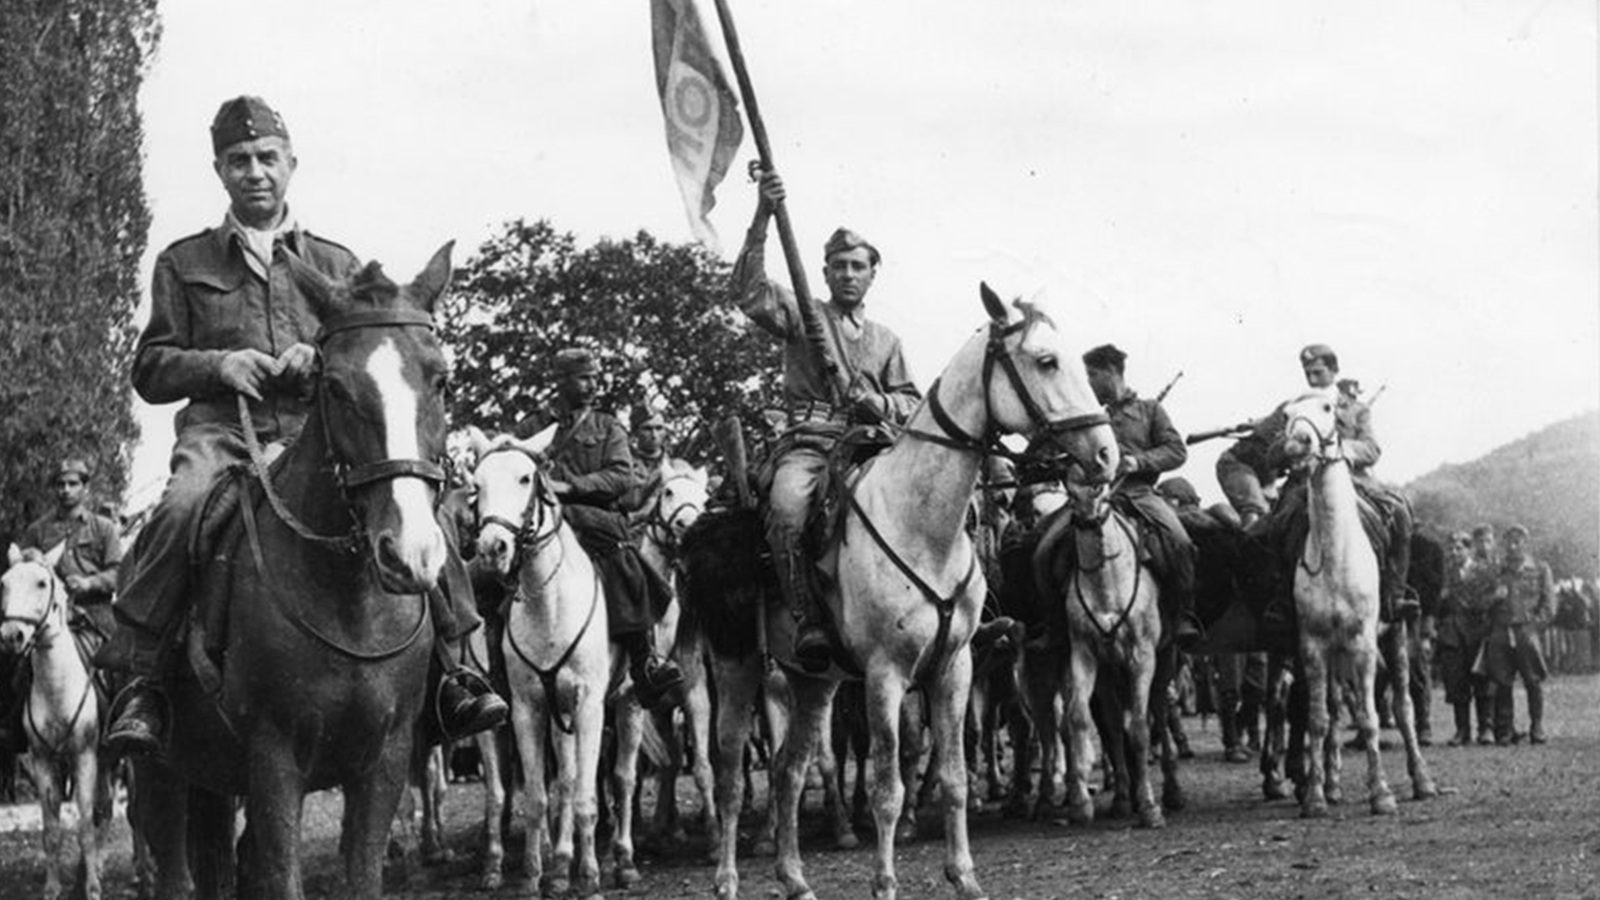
{"type": "Point", "coordinates": [729, 433]}
{"type": "Point", "coordinates": [1168, 389]}
{"type": "Point", "coordinates": [1239, 430]}
{"type": "Point", "coordinates": [1376, 394]}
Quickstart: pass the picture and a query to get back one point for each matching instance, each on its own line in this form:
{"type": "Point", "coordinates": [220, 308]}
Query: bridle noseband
{"type": "Point", "coordinates": [45, 617]}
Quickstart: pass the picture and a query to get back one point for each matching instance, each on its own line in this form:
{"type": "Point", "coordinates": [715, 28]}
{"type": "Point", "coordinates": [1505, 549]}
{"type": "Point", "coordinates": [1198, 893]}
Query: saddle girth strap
{"type": "Point", "coordinates": [547, 677]}
{"type": "Point", "coordinates": [945, 606]}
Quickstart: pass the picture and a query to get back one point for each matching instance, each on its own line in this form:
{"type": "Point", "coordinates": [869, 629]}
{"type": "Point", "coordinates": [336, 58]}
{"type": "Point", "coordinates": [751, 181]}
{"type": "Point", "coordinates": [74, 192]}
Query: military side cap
{"type": "Point", "coordinates": [1483, 530]}
{"type": "Point", "coordinates": [1105, 356]}
{"type": "Point", "coordinates": [1515, 530]}
{"type": "Point", "coordinates": [72, 465]}
{"type": "Point", "coordinates": [245, 119]}
{"type": "Point", "coordinates": [1314, 352]}
{"type": "Point", "coordinates": [843, 240]}
{"type": "Point", "coordinates": [576, 361]}
{"type": "Point", "coordinates": [642, 416]}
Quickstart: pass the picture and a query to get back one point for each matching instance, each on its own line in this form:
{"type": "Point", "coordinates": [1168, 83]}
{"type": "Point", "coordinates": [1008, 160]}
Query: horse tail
{"type": "Point", "coordinates": [726, 573]}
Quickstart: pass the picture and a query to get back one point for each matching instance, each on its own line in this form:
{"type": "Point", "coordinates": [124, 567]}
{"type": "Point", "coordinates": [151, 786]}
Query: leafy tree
{"type": "Point", "coordinates": [657, 316]}
{"type": "Point", "coordinates": [73, 226]}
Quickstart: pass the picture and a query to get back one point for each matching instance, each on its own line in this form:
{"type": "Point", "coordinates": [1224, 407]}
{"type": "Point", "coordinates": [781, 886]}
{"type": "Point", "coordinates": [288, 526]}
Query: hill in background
{"type": "Point", "coordinates": [1548, 481]}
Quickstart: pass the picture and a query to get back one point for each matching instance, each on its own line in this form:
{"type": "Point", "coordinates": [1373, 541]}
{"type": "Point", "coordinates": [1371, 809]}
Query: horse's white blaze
{"type": "Point", "coordinates": [418, 542]}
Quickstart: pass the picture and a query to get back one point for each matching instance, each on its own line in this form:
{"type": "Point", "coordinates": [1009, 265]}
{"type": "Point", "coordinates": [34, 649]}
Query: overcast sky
{"type": "Point", "coordinates": [1209, 186]}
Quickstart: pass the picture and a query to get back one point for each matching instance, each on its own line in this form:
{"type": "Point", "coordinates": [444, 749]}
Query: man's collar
{"type": "Point", "coordinates": [855, 314]}
{"type": "Point", "coordinates": [1127, 396]}
{"type": "Point", "coordinates": [232, 230]}
{"type": "Point", "coordinates": [79, 513]}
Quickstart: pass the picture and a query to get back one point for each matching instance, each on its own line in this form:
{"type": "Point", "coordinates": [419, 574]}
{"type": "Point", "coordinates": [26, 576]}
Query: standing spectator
{"type": "Point", "coordinates": [1460, 632]}
{"type": "Point", "coordinates": [1476, 594]}
{"type": "Point", "coordinates": [1521, 607]}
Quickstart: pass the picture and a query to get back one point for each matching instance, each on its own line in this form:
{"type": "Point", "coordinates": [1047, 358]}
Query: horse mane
{"type": "Point", "coordinates": [370, 288]}
{"type": "Point", "coordinates": [32, 554]}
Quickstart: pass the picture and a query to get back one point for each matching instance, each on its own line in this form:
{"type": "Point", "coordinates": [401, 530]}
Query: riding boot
{"type": "Point", "coordinates": [1505, 715]}
{"type": "Point", "coordinates": [813, 648]}
{"type": "Point", "coordinates": [1483, 703]}
{"type": "Point", "coordinates": [140, 713]}
{"type": "Point", "coordinates": [465, 702]}
{"type": "Point", "coordinates": [1535, 713]}
{"type": "Point", "coordinates": [653, 676]}
{"type": "Point", "coordinates": [1188, 630]}
{"type": "Point", "coordinates": [1231, 749]}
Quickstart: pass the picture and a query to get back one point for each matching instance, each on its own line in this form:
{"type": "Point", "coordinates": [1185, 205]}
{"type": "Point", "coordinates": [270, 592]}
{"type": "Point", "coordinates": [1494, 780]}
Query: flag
{"type": "Point", "coordinates": [702, 113]}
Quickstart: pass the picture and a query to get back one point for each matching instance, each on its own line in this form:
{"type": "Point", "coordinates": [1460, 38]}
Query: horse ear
{"type": "Point", "coordinates": [13, 555]}
{"type": "Point", "coordinates": [429, 286]}
{"type": "Point", "coordinates": [318, 288]}
{"type": "Point", "coordinates": [540, 442]}
{"type": "Point", "coordinates": [477, 441]}
{"type": "Point", "coordinates": [991, 302]}
{"type": "Point", "coordinates": [54, 555]}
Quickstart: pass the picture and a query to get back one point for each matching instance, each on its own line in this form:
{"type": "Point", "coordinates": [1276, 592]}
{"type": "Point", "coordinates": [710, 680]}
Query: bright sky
{"type": "Point", "coordinates": [1209, 186]}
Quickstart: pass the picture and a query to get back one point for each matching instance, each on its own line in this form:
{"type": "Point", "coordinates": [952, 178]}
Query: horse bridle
{"type": "Point", "coordinates": [1324, 441]}
{"type": "Point", "coordinates": [995, 354]}
{"type": "Point", "coordinates": [348, 475]}
{"type": "Point", "coordinates": [541, 517]}
{"type": "Point", "coordinates": [51, 605]}
{"type": "Point", "coordinates": [663, 524]}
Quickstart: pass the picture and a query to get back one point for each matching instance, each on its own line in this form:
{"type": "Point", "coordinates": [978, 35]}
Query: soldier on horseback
{"type": "Point", "coordinates": [88, 567]}
{"type": "Point", "coordinates": [1255, 460]}
{"type": "Point", "coordinates": [879, 391]}
{"type": "Point", "coordinates": [228, 317]}
{"type": "Point", "coordinates": [592, 472]}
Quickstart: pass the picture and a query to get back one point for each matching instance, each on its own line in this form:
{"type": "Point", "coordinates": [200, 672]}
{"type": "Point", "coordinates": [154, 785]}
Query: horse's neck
{"type": "Point", "coordinates": [306, 483]}
{"type": "Point", "coordinates": [1335, 518]}
{"type": "Point", "coordinates": [58, 670]}
{"type": "Point", "coordinates": [1106, 554]}
{"type": "Point", "coordinates": [923, 489]}
{"type": "Point", "coordinates": [556, 583]}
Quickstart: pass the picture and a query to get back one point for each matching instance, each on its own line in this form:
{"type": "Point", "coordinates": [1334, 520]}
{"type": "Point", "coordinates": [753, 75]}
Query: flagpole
{"type": "Point", "coordinates": [817, 331]}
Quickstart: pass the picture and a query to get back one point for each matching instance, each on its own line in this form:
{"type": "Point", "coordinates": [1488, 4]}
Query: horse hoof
{"type": "Point", "coordinates": [905, 832]}
{"type": "Point", "coordinates": [728, 890]}
{"type": "Point", "coordinates": [1173, 800]}
{"type": "Point", "coordinates": [557, 887]}
{"type": "Point", "coordinates": [1081, 813]}
{"type": "Point", "coordinates": [1314, 811]}
{"type": "Point", "coordinates": [1384, 805]}
{"type": "Point", "coordinates": [1274, 789]}
{"type": "Point", "coordinates": [846, 841]}
{"type": "Point", "coordinates": [1335, 795]}
{"type": "Point", "coordinates": [1424, 789]}
{"type": "Point", "coordinates": [627, 876]}
{"type": "Point", "coordinates": [1152, 818]}
{"type": "Point", "coordinates": [491, 881]}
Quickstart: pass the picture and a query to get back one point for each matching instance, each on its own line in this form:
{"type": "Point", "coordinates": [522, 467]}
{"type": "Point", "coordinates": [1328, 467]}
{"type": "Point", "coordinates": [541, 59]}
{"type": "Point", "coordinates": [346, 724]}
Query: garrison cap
{"type": "Point", "coordinates": [1179, 490]}
{"type": "Point", "coordinates": [1314, 352]}
{"type": "Point", "coordinates": [245, 119]}
{"type": "Point", "coordinates": [72, 465]}
{"type": "Point", "coordinates": [844, 240]}
{"type": "Point", "coordinates": [1105, 356]}
{"type": "Point", "coordinates": [643, 415]}
{"type": "Point", "coordinates": [1482, 530]}
{"type": "Point", "coordinates": [1514, 530]}
{"type": "Point", "coordinates": [576, 361]}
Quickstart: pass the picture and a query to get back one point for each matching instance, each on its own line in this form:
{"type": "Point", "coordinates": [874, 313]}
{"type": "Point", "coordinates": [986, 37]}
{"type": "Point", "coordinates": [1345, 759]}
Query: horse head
{"type": "Point", "coordinates": [1090, 501]}
{"type": "Point", "coordinates": [1311, 429]}
{"type": "Point", "coordinates": [683, 496]}
{"type": "Point", "coordinates": [515, 505]}
{"type": "Point", "coordinates": [380, 402]}
{"type": "Point", "coordinates": [32, 598]}
{"type": "Point", "coordinates": [1045, 392]}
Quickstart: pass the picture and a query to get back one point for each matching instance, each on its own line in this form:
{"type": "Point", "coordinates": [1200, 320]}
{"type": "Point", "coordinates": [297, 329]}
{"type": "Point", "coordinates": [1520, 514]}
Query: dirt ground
{"type": "Point", "coordinates": [1516, 822]}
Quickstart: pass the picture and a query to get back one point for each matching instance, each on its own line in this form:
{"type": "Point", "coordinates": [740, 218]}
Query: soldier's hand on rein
{"type": "Point", "coordinates": [1127, 464]}
{"type": "Point", "coordinates": [246, 371]}
{"type": "Point", "coordinates": [76, 584]}
{"type": "Point", "coordinates": [297, 362]}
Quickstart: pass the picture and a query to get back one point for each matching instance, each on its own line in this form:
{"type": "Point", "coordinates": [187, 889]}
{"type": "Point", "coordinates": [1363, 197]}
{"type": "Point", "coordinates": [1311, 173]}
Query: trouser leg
{"type": "Point", "coordinates": [794, 484]}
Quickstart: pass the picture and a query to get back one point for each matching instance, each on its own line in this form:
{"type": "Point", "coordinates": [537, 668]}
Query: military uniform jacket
{"type": "Point", "coordinates": [1528, 599]}
{"type": "Point", "coordinates": [93, 549]}
{"type": "Point", "coordinates": [206, 302]}
{"type": "Point", "coordinates": [871, 350]}
{"type": "Point", "coordinates": [1145, 433]}
{"type": "Point", "coordinates": [590, 452]}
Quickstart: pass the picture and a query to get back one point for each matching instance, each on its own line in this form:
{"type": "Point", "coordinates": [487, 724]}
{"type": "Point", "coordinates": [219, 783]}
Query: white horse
{"type": "Point", "coordinates": [61, 714]}
{"type": "Point", "coordinates": [907, 593]}
{"type": "Point", "coordinates": [1113, 616]}
{"type": "Point", "coordinates": [677, 505]}
{"type": "Point", "coordinates": [1336, 599]}
{"type": "Point", "coordinates": [559, 658]}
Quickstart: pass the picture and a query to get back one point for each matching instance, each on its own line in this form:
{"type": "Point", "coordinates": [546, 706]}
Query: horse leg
{"type": "Point", "coordinates": [369, 805]}
{"type": "Point", "coordinates": [843, 811]}
{"type": "Point", "coordinates": [1046, 676]}
{"type": "Point", "coordinates": [844, 837]}
{"type": "Point", "coordinates": [1019, 726]}
{"type": "Point", "coordinates": [1136, 727]}
{"type": "Point", "coordinates": [777, 700]}
{"type": "Point", "coordinates": [813, 698]}
{"type": "Point", "coordinates": [529, 723]}
{"type": "Point", "coordinates": [625, 777]}
{"type": "Point", "coordinates": [86, 787]}
{"type": "Point", "coordinates": [913, 745]}
{"type": "Point", "coordinates": [494, 801]}
{"type": "Point", "coordinates": [885, 694]}
{"type": "Point", "coordinates": [1081, 672]}
{"type": "Point", "coordinates": [947, 710]}
{"type": "Point", "coordinates": [697, 712]}
{"type": "Point", "coordinates": [430, 787]}
{"type": "Point", "coordinates": [47, 786]}
{"type": "Point", "coordinates": [1108, 710]}
{"type": "Point", "coordinates": [563, 794]}
{"type": "Point", "coordinates": [737, 685]}
{"type": "Point", "coordinates": [158, 811]}
{"type": "Point", "coordinates": [1164, 711]}
{"type": "Point", "coordinates": [1397, 642]}
{"type": "Point", "coordinates": [665, 824]}
{"type": "Point", "coordinates": [1364, 657]}
{"type": "Point", "coordinates": [590, 718]}
{"type": "Point", "coordinates": [1273, 738]}
{"type": "Point", "coordinates": [1314, 657]}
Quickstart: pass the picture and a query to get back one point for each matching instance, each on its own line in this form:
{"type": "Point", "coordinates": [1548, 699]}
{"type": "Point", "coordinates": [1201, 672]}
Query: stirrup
{"type": "Point", "coordinates": [813, 649]}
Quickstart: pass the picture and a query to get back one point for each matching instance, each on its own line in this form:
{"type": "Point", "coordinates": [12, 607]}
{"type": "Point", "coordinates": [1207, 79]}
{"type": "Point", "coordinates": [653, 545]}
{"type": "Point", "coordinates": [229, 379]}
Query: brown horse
{"type": "Point", "coordinates": [325, 573]}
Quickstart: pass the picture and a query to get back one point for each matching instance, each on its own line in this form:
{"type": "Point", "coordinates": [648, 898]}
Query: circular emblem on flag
{"type": "Point", "coordinates": [693, 104]}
